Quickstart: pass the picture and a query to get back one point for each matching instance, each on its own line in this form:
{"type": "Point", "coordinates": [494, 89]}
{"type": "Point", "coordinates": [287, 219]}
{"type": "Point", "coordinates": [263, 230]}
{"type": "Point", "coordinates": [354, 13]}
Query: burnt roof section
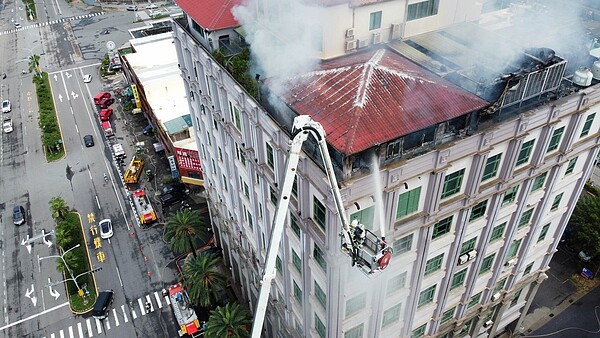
{"type": "Point", "coordinates": [375, 96]}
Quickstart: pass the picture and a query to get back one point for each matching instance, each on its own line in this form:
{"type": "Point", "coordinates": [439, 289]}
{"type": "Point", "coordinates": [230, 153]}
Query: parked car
{"type": "Point", "coordinates": [7, 126]}
{"type": "Point", "coordinates": [106, 228]}
{"type": "Point", "coordinates": [6, 106]}
{"type": "Point", "coordinates": [105, 103]}
{"type": "Point", "coordinates": [88, 140]}
{"type": "Point", "coordinates": [101, 96]}
{"type": "Point", "coordinates": [105, 114]}
{"type": "Point", "coordinates": [18, 215]}
{"type": "Point", "coordinates": [152, 6]}
{"type": "Point", "coordinates": [87, 78]}
{"type": "Point", "coordinates": [132, 8]}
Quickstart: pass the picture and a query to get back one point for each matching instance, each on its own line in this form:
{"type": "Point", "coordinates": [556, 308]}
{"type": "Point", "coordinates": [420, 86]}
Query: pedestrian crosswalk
{"type": "Point", "coordinates": [51, 22]}
{"type": "Point", "coordinates": [118, 315]}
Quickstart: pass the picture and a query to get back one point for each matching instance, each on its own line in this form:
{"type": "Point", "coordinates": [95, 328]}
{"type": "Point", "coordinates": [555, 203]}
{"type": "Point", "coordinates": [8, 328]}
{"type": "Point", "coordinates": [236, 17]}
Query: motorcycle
{"type": "Point", "coordinates": [105, 177]}
{"type": "Point", "coordinates": [4, 75]}
{"type": "Point", "coordinates": [104, 32]}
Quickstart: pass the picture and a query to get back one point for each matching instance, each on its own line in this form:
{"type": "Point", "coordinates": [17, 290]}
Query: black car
{"type": "Point", "coordinates": [171, 198]}
{"type": "Point", "coordinates": [177, 188]}
{"type": "Point", "coordinates": [18, 215]}
{"type": "Point", "coordinates": [88, 140]}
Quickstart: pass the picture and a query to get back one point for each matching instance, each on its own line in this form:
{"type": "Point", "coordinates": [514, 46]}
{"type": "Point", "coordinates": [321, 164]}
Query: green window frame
{"type": "Point", "coordinates": [391, 315]}
{"type": "Point", "coordinates": [478, 210]}
{"type": "Point", "coordinates": [525, 218]}
{"type": "Point", "coordinates": [527, 269]}
{"type": "Point", "coordinates": [447, 315]}
{"type": "Point", "coordinates": [587, 125]}
{"type": "Point", "coordinates": [375, 20]}
{"type": "Point", "coordinates": [486, 264]}
{"type": "Point", "coordinates": [355, 304]}
{"type": "Point", "coordinates": [278, 265]}
{"type": "Point", "coordinates": [426, 296]}
{"type": "Point", "coordinates": [419, 332]}
{"type": "Point", "coordinates": [320, 295]}
{"type": "Point", "coordinates": [501, 284]}
{"type": "Point", "coordinates": [516, 298]}
{"type": "Point", "coordinates": [295, 187]}
{"type": "Point", "coordinates": [513, 249]}
{"type": "Point", "coordinates": [453, 183]}
{"type": "Point", "coordinates": [408, 202]}
{"type": "Point", "coordinates": [297, 293]}
{"type": "Point", "coordinates": [320, 327]}
{"type": "Point", "coordinates": [474, 300]}
{"type": "Point", "coordinates": [510, 195]}
{"type": "Point", "coordinates": [270, 156]}
{"type": "Point", "coordinates": [491, 167]}
{"type": "Point", "coordinates": [543, 232]}
{"type": "Point", "coordinates": [297, 261]}
{"type": "Point", "coordinates": [355, 332]}
{"type": "Point", "coordinates": [525, 152]}
{"type": "Point", "coordinates": [403, 245]}
{"type": "Point", "coordinates": [556, 201]}
{"type": "Point", "coordinates": [294, 225]}
{"type": "Point", "coordinates": [434, 264]}
{"type": "Point", "coordinates": [319, 257]}
{"type": "Point", "coordinates": [539, 181]}
{"type": "Point", "coordinates": [571, 166]}
{"type": "Point", "coordinates": [442, 227]}
{"type": "Point", "coordinates": [319, 213]}
{"type": "Point", "coordinates": [273, 195]}
{"type": "Point", "coordinates": [555, 139]}
{"type": "Point", "coordinates": [365, 217]}
{"type": "Point", "coordinates": [468, 245]}
{"type": "Point", "coordinates": [497, 232]}
{"type": "Point", "coordinates": [422, 9]}
{"type": "Point", "coordinates": [396, 283]}
{"type": "Point", "coordinates": [458, 279]}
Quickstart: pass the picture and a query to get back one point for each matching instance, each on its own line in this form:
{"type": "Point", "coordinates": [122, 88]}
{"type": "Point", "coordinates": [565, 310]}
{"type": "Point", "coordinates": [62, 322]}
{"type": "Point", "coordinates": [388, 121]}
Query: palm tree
{"type": "Point", "coordinates": [58, 207]}
{"type": "Point", "coordinates": [232, 320]}
{"type": "Point", "coordinates": [34, 65]}
{"type": "Point", "coordinates": [64, 236]}
{"type": "Point", "coordinates": [203, 280]}
{"type": "Point", "coordinates": [183, 229]}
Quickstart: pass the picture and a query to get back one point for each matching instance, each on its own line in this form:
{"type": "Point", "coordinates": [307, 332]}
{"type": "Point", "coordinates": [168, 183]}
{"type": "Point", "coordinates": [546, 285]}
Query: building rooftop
{"type": "Point", "coordinates": [211, 14]}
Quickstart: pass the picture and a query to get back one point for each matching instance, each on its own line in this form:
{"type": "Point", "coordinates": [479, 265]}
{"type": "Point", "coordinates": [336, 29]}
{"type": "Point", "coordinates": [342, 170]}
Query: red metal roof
{"type": "Point", "coordinates": [373, 97]}
{"type": "Point", "coordinates": [211, 14]}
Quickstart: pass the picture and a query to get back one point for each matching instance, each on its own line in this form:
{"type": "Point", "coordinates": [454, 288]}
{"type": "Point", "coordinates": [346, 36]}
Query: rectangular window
{"type": "Point", "coordinates": [250, 219]}
{"type": "Point", "coordinates": [246, 189]}
{"type": "Point", "coordinates": [486, 264]}
{"type": "Point", "coordinates": [320, 327]}
{"type": "Point", "coordinates": [525, 218]}
{"type": "Point", "coordinates": [587, 125]}
{"type": "Point", "coordinates": [393, 149]}
{"type": "Point", "coordinates": [375, 21]}
{"type": "Point", "coordinates": [235, 116]}
{"type": "Point", "coordinates": [474, 300]}
{"type": "Point", "coordinates": [448, 314]}
{"type": "Point", "coordinates": [434, 264]}
{"type": "Point", "coordinates": [295, 187]}
{"type": "Point", "coordinates": [355, 304]}
{"type": "Point", "coordinates": [355, 332]}
{"type": "Point", "coordinates": [510, 195]}
{"type": "Point", "coordinates": [294, 225]}
{"type": "Point", "coordinates": [539, 181]}
{"type": "Point", "coordinates": [208, 138]}
{"type": "Point", "coordinates": [491, 167]}
{"type": "Point", "coordinates": [452, 183]}
{"type": "Point", "coordinates": [240, 154]}
{"type": "Point", "coordinates": [319, 213]}
{"type": "Point", "coordinates": [497, 232]}
{"type": "Point", "coordinates": [297, 293]}
{"type": "Point", "coordinates": [458, 279]}
{"type": "Point", "coordinates": [513, 249]}
{"type": "Point", "coordinates": [516, 299]}
{"type": "Point", "coordinates": [320, 295]}
{"type": "Point", "coordinates": [525, 152]}
{"type": "Point", "coordinates": [571, 166]}
{"type": "Point", "coordinates": [270, 156]}
{"type": "Point", "coordinates": [273, 195]}
{"type": "Point", "coordinates": [396, 283]}
{"type": "Point", "coordinates": [224, 183]}
{"type": "Point", "coordinates": [391, 315]}
{"type": "Point", "coordinates": [408, 202]}
{"type": "Point", "coordinates": [220, 154]}
{"type": "Point", "coordinates": [319, 257]}
{"type": "Point", "coordinates": [297, 261]}
{"type": "Point", "coordinates": [278, 265]}
{"type": "Point", "coordinates": [422, 9]}
{"type": "Point", "coordinates": [468, 246]}
{"type": "Point", "coordinates": [403, 245]}
{"type": "Point", "coordinates": [500, 285]}
{"type": "Point", "coordinates": [528, 269]}
{"type": "Point", "coordinates": [364, 217]}
{"type": "Point", "coordinates": [555, 139]}
{"type": "Point", "coordinates": [556, 201]}
{"type": "Point", "coordinates": [478, 210]}
{"type": "Point", "coordinates": [543, 232]}
{"type": "Point", "coordinates": [426, 296]}
{"type": "Point", "coordinates": [442, 227]}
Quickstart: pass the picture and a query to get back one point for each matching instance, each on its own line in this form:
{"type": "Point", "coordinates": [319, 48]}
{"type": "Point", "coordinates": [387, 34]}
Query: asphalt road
{"type": "Point", "coordinates": [134, 262]}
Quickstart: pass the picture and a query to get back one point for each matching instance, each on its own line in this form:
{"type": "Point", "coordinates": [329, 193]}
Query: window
{"type": "Point", "coordinates": [491, 167]}
{"type": "Point", "coordinates": [355, 332]}
{"type": "Point", "coordinates": [208, 138]}
{"type": "Point", "coordinates": [458, 279]}
{"type": "Point", "coordinates": [250, 219]}
{"type": "Point", "coordinates": [447, 315]}
{"type": "Point", "coordinates": [587, 125]}
{"type": "Point", "coordinates": [571, 166]}
{"type": "Point", "coordinates": [442, 227]}
{"type": "Point", "coordinates": [497, 232]}
{"type": "Point", "coordinates": [300, 330]}
{"type": "Point", "coordinates": [235, 116]}
{"type": "Point", "coordinates": [396, 283]}
{"type": "Point", "coordinates": [478, 210]}
{"type": "Point", "coordinates": [220, 154]}
{"type": "Point", "coordinates": [278, 265]}
{"type": "Point", "coordinates": [375, 21]}
{"type": "Point", "coordinates": [556, 201]}
{"type": "Point", "coordinates": [543, 232]}
{"type": "Point", "coordinates": [295, 187]}
{"type": "Point", "coordinates": [294, 225]}
{"type": "Point", "coordinates": [408, 202]}
{"type": "Point", "coordinates": [426, 296]}
{"type": "Point", "coordinates": [270, 157]}
{"type": "Point", "coordinates": [319, 213]}
{"type": "Point", "coordinates": [273, 195]}
{"type": "Point", "coordinates": [510, 195]}
{"type": "Point", "coordinates": [297, 261]}
{"type": "Point", "coordinates": [240, 154]}
{"type": "Point", "coordinates": [246, 189]}
{"type": "Point", "coordinates": [525, 218]}
{"type": "Point", "coordinates": [486, 264]}
{"type": "Point", "coordinates": [391, 315]}
{"type": "Point", "coordinates": [525, 153]}
{"type": "Point", "coordinates": [528, 269]}
{"type": "Point", "coordinates": [513, 249]}
{"type": "Point", "coordinates": [393, 149]}
{"type": "Point", "coordinates": [516, 299]}
{"type": "Point", "coordinates": [434, 264]}
{"type": "Point", "coordinates": [468, 246]}
{"type": "Point", "coordinates": [354, 305]}
{"type": "Point", "coordinates": [538, 182]}
{"type": "Point", "coordinates": [297, 293]}
{"type": "Point", "coordinates": [320, 327]}
{"type": "Point", "coordinates": [365, 217]}
{"type": "Point", "coordinates": [452, 183]}
{"type": "Point", "coordinates": [224, 183]}
{"type": "Point", "coordinates": [422, 9]}
{"type": "Point", "coordinates": [500, 285]}
{"type": "Point", "coordinates": [555, 139]}
{"type": "Point", "coordinates": [320, 294]}
{"type": "Point", "coordinates": [403, 245]}
{"type": "Point", "coordinates": [474, 300]}
{"type": "Point", "coordinates": [318, 255]}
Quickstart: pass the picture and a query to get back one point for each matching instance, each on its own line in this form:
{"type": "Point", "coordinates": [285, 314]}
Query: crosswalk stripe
{"type": "Point", "coordinates": [133, 314]}
{"type": "Point", "coordinates": [52, 335]}
{"type": "Point", "coordinates": [62, 334]}
{"type": "Point", "coordinates": [116, 317]}
{"type": "Point", "coordinates": [89, 328]}
{"type": "Point", "coordinates": [124, 313]}
{"type": "Point", "coordinates": [158, 299]}
{"type": "Point", "coordinates": [149, 301]}
{"type": "Point", "coordinates": [80, 330]}
{"type": "Point", "coordinates": [142, 311]}
{"type": "Point", "coordinates": [71, 332]}
{"type": "Point", "coordinates": [98, 325]}
{"type": "Point", "coordinates": [106, 323]}
{"type": "Point", "coordinates": [167, 300]}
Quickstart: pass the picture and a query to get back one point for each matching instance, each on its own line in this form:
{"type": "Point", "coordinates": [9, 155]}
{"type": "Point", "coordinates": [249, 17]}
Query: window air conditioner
{"type": "Point", "coordinates": [510, 262]}
{"type": "Point", "coordinates": [396, 30]}
{"type": "Point", "coordinates": [351, 45]}
{"type": "Point", "coordinates": [472, 254]}
{"type": "Point", "coordinates": [488, 324]}
{"type": "Point", "coordinates": [376, 38]}
{"type": "Point", "coordinates": [350, 33]}
{"type": "Point", "coordinates": [462, 259]}
{"type": "Point", "coordinates": [496, 296]}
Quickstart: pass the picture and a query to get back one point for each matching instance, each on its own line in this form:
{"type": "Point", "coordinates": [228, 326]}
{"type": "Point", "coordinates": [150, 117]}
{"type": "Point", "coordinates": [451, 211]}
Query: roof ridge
{"type": "Point", "coordinates": [220, 13]}
{"type": "Point", "coordinates": [365, 78]}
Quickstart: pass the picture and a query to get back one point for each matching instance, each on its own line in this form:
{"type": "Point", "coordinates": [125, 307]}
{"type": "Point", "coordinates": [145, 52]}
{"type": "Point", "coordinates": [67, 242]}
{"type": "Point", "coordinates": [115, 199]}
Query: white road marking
{"type": "Point", "coordinates": [158, 299]}
{"type": "Point", "coordinates": [71, 332]}
{"type": "Point", "coordinates": [33, 316]}
{"type": "Point", "coordinates": [133, 314]}
{"type": "Point", "coordinates": [149, 301]}
{"type": "Point", "coordinates": [80, 330]}
{"type": "Point", "coordinates": [52, 336]}
{"type": "Point", "coordinates": [62, 334]}
{"type": "Point", "coordinates": [107, 323]}
{"type": "Point", "coordinates": [116, 317]}
{"type": "Point", "coordinates": [98, 325]}
{"type": "Point", "coordinates": [89, 327]}
{"type": "Point", "coordinates": [141, 307]}
{"type": "Point", "coordinates": [167, 300]}
{"type": "Point", "coordinates": [124, 313]}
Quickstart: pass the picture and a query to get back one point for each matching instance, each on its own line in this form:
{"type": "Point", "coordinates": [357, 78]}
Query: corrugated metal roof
{"type": "Point", "coordinates": [373, 97]}
{"type": "Point", "coordinates": [211, 14]}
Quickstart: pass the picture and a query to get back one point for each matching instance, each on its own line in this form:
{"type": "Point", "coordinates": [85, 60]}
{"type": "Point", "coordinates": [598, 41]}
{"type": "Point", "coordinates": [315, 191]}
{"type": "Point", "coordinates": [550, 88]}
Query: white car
{"type": "Point", "coordinates": [7, 126]}
{"type": "Point", "coordinates": [6, 107]}
{"type": "Point", "coordinates": [152, 6]}
{"type": "Point", "coordinates": [87, 78]}
{"type": "Point", "coordinates": [106, 229]}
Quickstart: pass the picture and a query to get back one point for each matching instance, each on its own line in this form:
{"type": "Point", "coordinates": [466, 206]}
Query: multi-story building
{"type": "Point", "coordinates": [471, 178]}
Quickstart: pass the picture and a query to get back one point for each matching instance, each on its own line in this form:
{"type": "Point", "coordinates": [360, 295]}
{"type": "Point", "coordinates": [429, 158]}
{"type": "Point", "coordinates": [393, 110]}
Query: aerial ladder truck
{"type": "Point", "coordinates": [367, 251]}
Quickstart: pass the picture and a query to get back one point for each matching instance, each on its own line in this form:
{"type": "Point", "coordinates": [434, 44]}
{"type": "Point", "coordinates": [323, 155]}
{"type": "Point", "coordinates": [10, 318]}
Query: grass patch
{"type": "Point", "coordinates": [31, 11]}
{"type": "Point", "coordinates": [104, 71]}
{"type": "Point", "coordinates": [47, 120]}
{"type": "Point", "coordinates": [83, 304]}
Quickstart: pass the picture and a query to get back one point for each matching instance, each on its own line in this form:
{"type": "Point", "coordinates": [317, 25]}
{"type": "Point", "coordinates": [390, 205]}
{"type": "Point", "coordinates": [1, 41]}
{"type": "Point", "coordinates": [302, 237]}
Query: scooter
{"type": "Point", "coordinates": [104, 32]}
{"type": "Point", "coordinates": [4, 75]}
{"type": "Point", "coordinates": [105, 177]}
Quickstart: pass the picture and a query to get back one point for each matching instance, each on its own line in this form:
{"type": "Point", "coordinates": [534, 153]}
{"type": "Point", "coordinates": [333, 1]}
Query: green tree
{"type": "Point", "coordinates": [585, 234]}
{"type": "Point", "coordinates": [58, 207]}
{"type": "Point", "coordinates": [230, 320]}
{"type": "Point", "coordinates": [34, 65]}
{"type": "Point", "coordinates": [74, 262]}
{"type": "Point", "coordinates": [202, 279]}
{"type": "Point", "coordinates": [64, 237]}
{"type": "Point", "coordinates": [184, 228]}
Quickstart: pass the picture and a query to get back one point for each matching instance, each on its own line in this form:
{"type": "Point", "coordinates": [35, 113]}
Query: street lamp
{"type": "Point", "coordinates": [65, 263]}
